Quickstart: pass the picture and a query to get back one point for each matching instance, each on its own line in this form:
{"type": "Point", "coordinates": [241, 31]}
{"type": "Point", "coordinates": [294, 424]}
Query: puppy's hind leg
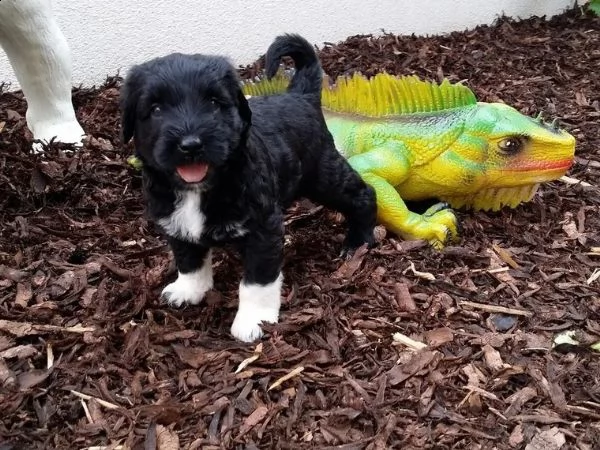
{"type": "Point", "coordinates": [338, 186]}
{"type": "Point", "coordinates": [260, 289]}
{"type": "Point", "coordinates": [195, 276]}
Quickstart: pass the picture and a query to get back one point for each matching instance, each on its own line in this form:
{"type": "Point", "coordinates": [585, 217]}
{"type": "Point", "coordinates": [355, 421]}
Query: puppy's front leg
{"type": "Point", "coordinates": [260, 289]}
{"type": "Point", "coordinates": [195, 276]}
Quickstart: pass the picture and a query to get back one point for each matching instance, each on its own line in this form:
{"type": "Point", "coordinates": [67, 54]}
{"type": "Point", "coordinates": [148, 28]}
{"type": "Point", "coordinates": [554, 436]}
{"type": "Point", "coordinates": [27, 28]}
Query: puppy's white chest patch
{"type": "Point", "coordinates": [186, 222]}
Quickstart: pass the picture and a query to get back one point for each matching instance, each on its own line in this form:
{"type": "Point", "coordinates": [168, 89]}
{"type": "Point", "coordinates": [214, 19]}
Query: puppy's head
{"type": "Point", "coordinates": [187, 115]}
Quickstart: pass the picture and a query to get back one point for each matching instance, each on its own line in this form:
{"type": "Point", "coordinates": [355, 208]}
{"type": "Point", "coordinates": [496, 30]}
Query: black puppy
{"type": "Point", "coordinates": [219, 169]}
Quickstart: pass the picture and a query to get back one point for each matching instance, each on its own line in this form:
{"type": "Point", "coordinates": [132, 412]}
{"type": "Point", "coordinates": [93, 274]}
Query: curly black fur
{"type": "Point", "coordinates": [262, 154]}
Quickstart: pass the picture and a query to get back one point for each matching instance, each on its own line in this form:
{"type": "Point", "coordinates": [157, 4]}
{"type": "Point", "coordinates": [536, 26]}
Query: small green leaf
{"type": "Point", "coordinates": [566, 337]}
{"type": "Point", "coordinates": [134, 162]}
{"type": "Point", "coordinates": [594, 6]}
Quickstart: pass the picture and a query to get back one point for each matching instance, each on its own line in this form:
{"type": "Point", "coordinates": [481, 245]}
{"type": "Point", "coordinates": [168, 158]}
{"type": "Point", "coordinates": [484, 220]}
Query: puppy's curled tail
{"type": "Point", "coordinates": [308, 76]}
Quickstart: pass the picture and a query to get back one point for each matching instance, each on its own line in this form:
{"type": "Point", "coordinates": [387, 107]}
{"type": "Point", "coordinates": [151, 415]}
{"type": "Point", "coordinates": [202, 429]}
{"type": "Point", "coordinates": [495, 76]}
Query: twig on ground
{"type": "Point", "coordinates": [286, 377]}
{"type": "Point", "coordinates": [411, 343]}
{"type": "Point", "coordinates": [496, 309]}
{"type": "Point", "coordinates": [104, 403]}
{"type": "Point", "coordinates": [245, 363]}
{"type": "Point", "coordinates": [571, 180]}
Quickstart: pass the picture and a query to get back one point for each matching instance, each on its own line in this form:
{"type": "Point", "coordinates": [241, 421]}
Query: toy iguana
{"type": "Point", "coordinates": [415, 140]}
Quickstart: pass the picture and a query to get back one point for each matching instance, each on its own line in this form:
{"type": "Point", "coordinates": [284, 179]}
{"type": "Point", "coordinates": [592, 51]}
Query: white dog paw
{"type": "Point", "coordinates": [258, 303]}
{"type": "Point", "coordinates": [66, 133]}
{"type": "Point", "coordinates": [246, 325]}
{"type": "Point", "coordinates": [189, 288]}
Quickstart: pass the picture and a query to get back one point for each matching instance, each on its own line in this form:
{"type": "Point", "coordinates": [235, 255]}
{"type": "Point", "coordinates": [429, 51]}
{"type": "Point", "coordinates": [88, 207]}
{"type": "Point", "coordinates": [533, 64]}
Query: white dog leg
{"type": "Point", "coordinates": [41, 59]}
{"type": "Point", "coordinates": [258, 303]}
{"type": "Point", "coordinates": [190, 288]}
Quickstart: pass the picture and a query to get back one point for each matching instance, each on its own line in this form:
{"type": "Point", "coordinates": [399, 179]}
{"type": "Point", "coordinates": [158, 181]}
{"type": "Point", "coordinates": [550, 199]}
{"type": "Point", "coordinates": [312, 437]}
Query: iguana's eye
{"type": "Point", "coordinates": [510, 145]}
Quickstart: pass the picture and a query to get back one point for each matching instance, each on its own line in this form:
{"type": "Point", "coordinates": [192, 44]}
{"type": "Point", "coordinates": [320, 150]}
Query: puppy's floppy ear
{"type": "Point", "coordinates": [244, 109]}
{"type": "Point", "coordinates": [130, 95]}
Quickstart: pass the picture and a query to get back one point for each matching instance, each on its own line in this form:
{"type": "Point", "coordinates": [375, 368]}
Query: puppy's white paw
{"type": "Point", "coordinates": [246, 325]}
{"type": "Point", "coordinates": [258, 303]}
{"type": "Point", "coordinates": [189, 288]}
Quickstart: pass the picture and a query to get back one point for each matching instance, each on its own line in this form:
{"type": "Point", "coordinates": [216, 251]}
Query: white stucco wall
{"type": "Point", "coordinates": [108, 36]}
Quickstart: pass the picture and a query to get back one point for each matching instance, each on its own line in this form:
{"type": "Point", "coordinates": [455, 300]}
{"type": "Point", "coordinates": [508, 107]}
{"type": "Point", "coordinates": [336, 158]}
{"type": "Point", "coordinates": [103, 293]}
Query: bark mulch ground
{"type": "Point", "coordinates": [90, 357]}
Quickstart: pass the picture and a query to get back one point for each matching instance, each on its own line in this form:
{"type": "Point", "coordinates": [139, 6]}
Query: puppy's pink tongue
{"type": "Point", "coordinates": [193, 173]}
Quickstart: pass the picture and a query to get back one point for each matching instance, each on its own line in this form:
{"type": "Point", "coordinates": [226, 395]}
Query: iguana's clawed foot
{"type": "Point", "coordinates": [438, 225]}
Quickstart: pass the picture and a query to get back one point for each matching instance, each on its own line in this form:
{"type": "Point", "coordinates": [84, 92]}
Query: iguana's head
{"type": "Point", "coordinates": [511, 155]}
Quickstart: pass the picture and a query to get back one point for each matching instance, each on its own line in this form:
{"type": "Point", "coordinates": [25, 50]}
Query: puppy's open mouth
{"type": "Point", "coordinates": [193, 173]}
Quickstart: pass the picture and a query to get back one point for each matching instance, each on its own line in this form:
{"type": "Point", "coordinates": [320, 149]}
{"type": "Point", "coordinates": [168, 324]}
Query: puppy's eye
{"type": "Point", "coordinates": [214, 101]}
{"type": "Point", "coordinates": [155, 109]}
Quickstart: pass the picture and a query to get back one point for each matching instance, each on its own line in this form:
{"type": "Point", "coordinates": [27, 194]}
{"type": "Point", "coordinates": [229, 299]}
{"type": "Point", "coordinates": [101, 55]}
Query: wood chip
{"type": "Point", "coordinates": [50, 356]}
{"type": "Point", "coordinates": [254, 419]}
{"type": "Point", "coordinates": [250, 360]}
{"type": "Point", "coordinates": [492, 358]}
{"type": "Point", "coordinates": [166, 439]}
{"type": "Point", "coordinates": [505, 256]}
{"type": "Point", "coordinates": [571, 180]}
{"type": "Point", "coordinates": [403, 298]}
{"type": "Point", "coordinates": [581, 410]}
{"type": "Point", "coordinates": [104, 403]}
{"type": "Point", "coordinates": [409, 342]}
{"type": "Point", "coordinates": [491, 271]}
{"type": "Point", "coordinates": [7, 377]}
{"type": "Point", "coordinates": [498, 259]}
{"type": "Point", "coordinates": [474, 375]}
{"type": "Point", "coordinates": [438, 337]}
{"type": "Point", "coordinates": [494, 308]}
{"type": "Point", "coordinates": [593, 277]}
{"type": "Point", "coordinates": [516, 436]}
{"type": "Point", "coordinates": [482, 392]}
{"type": "Point", "coordinates": [349, 267]}
{"type": "Point", "coordinates": [297, 371]}
{"type": "Point", "coordinates": [20, 329]}
{"type": "Point", "coordinates": [424, 275]}
{"type": "Point", "coordinates": [424, 359]}
{"type": "Point", "coordinates": [552, 439]}
{"type": "Point", "coordinates": [518, 399]}
{"type": "Point", "coordinates": [24, 294]}
{"type": "Point", "coordinates": [86, 411]}
{"type": "Point", "coordinates": [32, 378]}
{"type": "Point", "coordinates": [569, 226]}
{"type": "Point", "coordinates": [118, 447]}
{"type": "Point", "coordinates": [12, 274]}
{"type": "Point", "coordinates": [20, 352]}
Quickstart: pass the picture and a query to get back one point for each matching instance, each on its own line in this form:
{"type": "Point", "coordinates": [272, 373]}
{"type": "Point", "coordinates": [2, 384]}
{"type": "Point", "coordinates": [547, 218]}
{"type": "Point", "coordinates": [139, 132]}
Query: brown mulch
{"type": "Point", "coordinates": [90, 357]}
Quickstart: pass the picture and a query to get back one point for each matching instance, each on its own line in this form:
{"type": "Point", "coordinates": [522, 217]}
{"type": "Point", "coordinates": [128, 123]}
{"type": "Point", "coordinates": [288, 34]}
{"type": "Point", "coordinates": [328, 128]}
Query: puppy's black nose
{"type": "Point", "coordinates": [190, 144]}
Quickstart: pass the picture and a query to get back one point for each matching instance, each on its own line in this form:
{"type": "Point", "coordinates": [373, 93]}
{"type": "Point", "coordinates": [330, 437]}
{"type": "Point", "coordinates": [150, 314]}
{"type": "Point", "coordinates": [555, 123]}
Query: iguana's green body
{"type": "Point", "coordinates": [414, 140]}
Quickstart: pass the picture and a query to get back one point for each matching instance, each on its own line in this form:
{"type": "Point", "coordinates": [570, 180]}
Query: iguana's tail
{"type": "Point", "coordinates": [308, 76]}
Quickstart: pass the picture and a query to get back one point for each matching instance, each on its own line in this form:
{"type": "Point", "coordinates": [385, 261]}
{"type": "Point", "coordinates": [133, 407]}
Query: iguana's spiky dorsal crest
{"type": "Point", "coordinates": [378, 96]}
{"type": "Point", "coordinates": [388, 95]}
{"type": "Point", "coordinates": [276, 85]}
